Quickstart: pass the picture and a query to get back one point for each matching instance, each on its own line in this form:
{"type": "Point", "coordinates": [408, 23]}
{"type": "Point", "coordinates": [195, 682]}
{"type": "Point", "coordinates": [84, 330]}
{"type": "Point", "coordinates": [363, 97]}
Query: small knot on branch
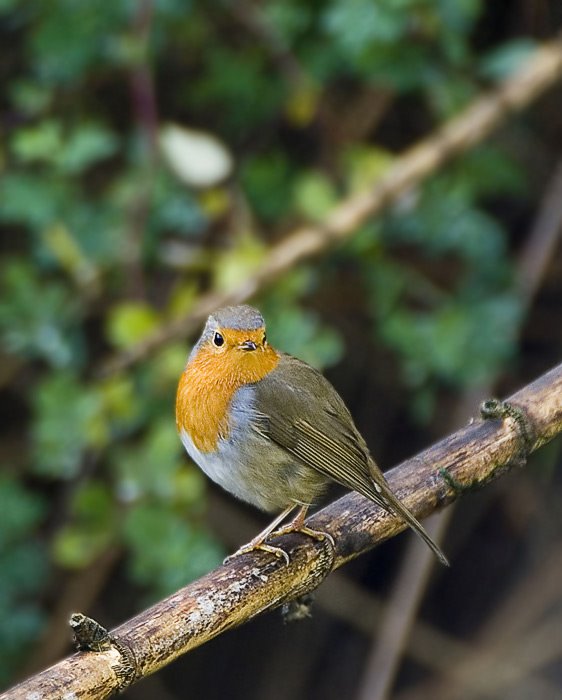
{"type": "Point", "coordinates": [89, 635]}
{"type": "Point", "coordinates": [495, 409]}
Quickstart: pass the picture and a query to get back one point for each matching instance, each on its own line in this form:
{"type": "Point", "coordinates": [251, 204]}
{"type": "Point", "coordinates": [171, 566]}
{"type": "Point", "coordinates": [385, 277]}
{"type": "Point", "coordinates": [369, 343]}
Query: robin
{"type": "Point", "coordinates": [272, 430]}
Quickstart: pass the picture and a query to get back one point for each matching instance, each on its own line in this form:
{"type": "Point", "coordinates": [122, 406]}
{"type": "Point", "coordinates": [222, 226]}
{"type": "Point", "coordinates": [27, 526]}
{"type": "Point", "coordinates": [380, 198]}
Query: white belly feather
{"type": "Point", "coordinates": [221, 466]}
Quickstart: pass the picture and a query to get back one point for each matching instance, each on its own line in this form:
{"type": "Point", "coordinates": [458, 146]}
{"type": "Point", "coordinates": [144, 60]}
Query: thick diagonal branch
{"type": "Point", "coordinates": [253, 583]}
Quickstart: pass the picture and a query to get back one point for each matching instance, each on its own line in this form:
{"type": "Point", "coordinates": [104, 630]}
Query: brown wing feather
{"type": "Point", "coordinates": [306, 416]}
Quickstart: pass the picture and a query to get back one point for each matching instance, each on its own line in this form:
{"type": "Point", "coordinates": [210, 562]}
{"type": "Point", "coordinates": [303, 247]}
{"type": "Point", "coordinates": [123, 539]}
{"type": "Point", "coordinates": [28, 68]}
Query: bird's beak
{"type": "Point", "coordinates": [248, 345]}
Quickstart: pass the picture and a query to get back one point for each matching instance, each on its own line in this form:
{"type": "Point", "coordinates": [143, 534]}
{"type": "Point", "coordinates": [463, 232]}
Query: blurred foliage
{"type": "Point", "coordinates": [103, 244]}
{"type": "Point", "coordinates": [25, 567]}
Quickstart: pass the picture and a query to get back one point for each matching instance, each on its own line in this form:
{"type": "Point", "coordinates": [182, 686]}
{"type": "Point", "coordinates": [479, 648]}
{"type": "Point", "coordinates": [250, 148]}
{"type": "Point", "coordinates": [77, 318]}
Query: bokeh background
{"type": "Point", "coordinates": [152, 153]}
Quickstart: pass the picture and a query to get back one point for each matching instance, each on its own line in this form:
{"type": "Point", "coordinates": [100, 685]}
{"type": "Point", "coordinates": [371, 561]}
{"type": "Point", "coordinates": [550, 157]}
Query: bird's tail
{"type": "Point", "coordinates": [392, 504]}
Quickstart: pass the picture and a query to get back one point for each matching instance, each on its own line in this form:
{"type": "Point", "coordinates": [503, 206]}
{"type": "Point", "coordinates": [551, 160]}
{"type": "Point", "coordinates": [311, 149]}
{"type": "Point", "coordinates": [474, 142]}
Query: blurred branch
{"type": "Point", "coordinates": [143, 100]}
{"type": "Point", "coordinates": [412, 579]}
{"type": "Point", "coordinates": [509, 636]}
{"type": "Point", "coordinates": [142, 85]}
{"type": "Point", "coordinates": [509, 660]}
{"type": "Point", "coordinates": [540, 72]}
{"type": "Point", "coordinates": [428, 646]}
{"type": "Point", "coordinates": [545, 235]}
{"type": "Point", "coordinates": [399, 615]}
{"type": "Point", "coordinates": [251, 584]}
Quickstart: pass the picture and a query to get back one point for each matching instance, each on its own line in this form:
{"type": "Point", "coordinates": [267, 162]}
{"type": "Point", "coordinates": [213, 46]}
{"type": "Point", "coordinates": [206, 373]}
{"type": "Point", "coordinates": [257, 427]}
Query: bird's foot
{"type": "Point", "coordinates": [305, 530]}
{"type": "Point", "coordinates": [295, 525]}
{"type": "Point", "coordinates": [259, 546]}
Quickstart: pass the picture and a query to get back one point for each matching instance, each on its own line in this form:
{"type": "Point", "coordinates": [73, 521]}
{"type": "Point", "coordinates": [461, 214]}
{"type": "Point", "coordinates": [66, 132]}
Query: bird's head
{"type": "Point", "coordinates": [233, 346]}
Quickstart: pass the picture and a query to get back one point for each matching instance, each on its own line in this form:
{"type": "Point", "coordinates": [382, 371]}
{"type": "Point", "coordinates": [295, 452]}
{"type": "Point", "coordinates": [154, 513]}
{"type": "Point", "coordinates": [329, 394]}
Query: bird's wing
{"type": "Point", "coordinates": [307, 417]}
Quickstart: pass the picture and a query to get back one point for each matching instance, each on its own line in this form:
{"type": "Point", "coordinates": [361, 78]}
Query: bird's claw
{"type": "Point", "coordinates": [290, 528]}
{"type": "Point", "coordinates": [303, 529]}
{"type": "Point", "coordinates": [260, 546]}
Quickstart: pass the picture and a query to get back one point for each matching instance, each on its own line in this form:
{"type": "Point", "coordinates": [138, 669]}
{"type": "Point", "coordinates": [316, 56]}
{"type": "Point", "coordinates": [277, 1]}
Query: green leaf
{"type": "Point", "coordinates": [364, 165]}
{"type": "Point", "coordinates": [231, 269]}
{"type": "Point", "coordinates": [357, 24]}
{"type": "Point", "coordinates": [174, 209]}
{"type": "Point", "coordinates": [267, 180]}
{"type": "Point", "coordinates": [91, 528]}
{"type": "Point", "coordinates": [42, 142]}
{"type": "Point", "coordinates": [71, 152]}
{"type": "Point", "coordinates": [93, 504]}
{"type": "Point", "coordinates": [38, 320]}
{"type": "Point", "coordinates": [302, 334]}
{"type": "Point", "coordinates": [120, 403]}
{"type": "Point", "coordinates": [314, 195]}
{"type": "Point", "coordinates": [238, 83]}
{"type": "Point", "coordinates": [20, 627]}
{"type": "Point", "coordinates": [69, 420]}
{"type": "Point", "coordinates": [25, 570]}
{"type": "Point", "coordinates": [71, 38]}
{"type": "Point", "coordinates": [130, 322]}
{"type": "Point", "coordinates": [49, 197]}
{"type": "Point", "coordinates": [166, 551]}
{"type": "Point", "coordinates": [506, 59]}
{"type": "Point", "coordinates": [59, 241]}
{"type": "Point", "coordinates": [29, 97]}
{"type": "Point", "coordinates": [289, 19]}
{"type": "Point", "coordinates": [488, 171]}
{"type": "Point", "coordinates": [6, 5]}
{"type": "Point", "coordinates": [21, 510]}
{"type": "Point", "coordinates": [86, 145]}
{"type": "Point", "coordinates": [75, 548]}
{"type": "Point", "coordinates": [461, 345]}
{"type": "Point", "coordinates": [151, 466]}
{"type": "Point", "coordinates": [169, 363]}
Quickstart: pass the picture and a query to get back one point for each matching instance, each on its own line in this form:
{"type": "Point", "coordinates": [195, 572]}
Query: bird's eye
{"type": "Point", "coordinates": [218, 340]}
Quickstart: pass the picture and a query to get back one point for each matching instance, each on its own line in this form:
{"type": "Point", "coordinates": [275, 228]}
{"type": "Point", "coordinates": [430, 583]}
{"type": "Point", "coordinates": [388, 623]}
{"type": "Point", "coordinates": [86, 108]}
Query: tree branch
{"type": "Point", "coordinates": [253, 583]}
{"type": "Point", "coordinates": [469, 128]}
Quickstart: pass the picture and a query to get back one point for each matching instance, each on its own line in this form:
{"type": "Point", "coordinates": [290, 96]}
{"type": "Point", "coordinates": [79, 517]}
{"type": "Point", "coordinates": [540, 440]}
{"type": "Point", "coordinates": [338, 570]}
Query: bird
{"type": "Point", "coordinates": [272, 430]}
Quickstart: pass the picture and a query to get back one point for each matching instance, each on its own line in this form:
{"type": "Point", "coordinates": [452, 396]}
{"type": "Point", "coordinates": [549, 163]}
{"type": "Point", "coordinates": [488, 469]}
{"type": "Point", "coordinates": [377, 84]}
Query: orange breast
{"type": "Point", "coordinates": [207, 386]}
